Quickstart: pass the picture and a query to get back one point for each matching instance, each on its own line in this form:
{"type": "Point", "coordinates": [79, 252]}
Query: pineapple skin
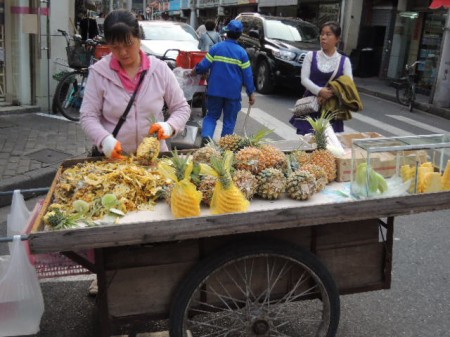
{"type": "Point", "coordinates": [327, 161]}
{"type": "Point", "coordinates": [271, 183]}
{"type": "Point", "coordinates": [301, 185]}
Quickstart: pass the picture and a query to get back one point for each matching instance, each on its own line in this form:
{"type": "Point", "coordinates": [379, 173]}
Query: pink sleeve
{"type": "Point", "coordinates": [179, 109]}
{"type": "Point", "coordinates": [91, 108]}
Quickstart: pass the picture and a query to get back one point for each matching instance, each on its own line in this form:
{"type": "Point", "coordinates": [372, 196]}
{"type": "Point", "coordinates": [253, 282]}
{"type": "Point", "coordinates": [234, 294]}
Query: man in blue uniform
{"type": "Point", "coordinates": [230, 70]}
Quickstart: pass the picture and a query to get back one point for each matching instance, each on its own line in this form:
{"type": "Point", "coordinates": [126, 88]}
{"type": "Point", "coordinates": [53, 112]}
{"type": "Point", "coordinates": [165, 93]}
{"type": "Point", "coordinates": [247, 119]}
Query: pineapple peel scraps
{"type": "Point", "coordinates": [135, 186]}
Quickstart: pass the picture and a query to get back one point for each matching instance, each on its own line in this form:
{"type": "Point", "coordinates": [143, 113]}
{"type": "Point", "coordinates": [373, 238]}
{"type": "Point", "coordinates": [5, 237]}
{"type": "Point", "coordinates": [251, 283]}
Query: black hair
{"type": "Point", "coordinates": [120, 26]}
{"type": "Point", "coordinates": [210, 25]}
{"type": "Point", "coordinates": [234, 35]}
{"type": "Point", "coordinates": [334, 26]}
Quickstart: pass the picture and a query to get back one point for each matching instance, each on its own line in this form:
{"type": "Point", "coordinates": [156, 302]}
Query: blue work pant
{"type": "Point", "coordinates": [216, 105]}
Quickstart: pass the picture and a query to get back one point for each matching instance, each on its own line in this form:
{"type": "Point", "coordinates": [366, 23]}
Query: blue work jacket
{"type": "Point", "coordinates": [230, 70]}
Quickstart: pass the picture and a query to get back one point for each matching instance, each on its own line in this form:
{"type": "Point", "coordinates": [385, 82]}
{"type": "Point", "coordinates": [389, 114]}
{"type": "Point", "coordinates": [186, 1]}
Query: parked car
{"type": "Point", "coordinates": [276, 47]}
{"type": "Point", "coordinates": [161, 36]}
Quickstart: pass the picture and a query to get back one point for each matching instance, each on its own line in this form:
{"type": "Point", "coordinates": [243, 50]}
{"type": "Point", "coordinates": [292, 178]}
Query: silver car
{"type": "Point", "coordinates": [160, 36]}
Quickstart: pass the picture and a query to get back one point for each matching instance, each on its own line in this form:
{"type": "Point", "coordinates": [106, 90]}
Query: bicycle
{"type": "Point", "coordinates": [406, 86]}
{"type": "Point", "coordinates": [70, 89]}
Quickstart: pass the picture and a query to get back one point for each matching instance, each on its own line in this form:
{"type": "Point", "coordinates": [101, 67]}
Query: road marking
{"type": "Point", "coordinates": [284, 130]}
{"type": "Point", "coordinates": [417, 124]}
{"type": "Point", "coordinates": [49, 115]}
{"type": "Point", "coordinates": [381, 125]}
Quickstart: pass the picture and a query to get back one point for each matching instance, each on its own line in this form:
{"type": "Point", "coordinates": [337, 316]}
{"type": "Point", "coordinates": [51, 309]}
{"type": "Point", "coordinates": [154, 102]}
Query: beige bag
{"type": "Point", "coordinates": [306, 105]}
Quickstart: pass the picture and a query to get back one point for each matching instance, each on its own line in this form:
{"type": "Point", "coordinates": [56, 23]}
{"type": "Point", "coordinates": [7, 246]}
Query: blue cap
{"type": "Point", "coordinates": [234, 26]}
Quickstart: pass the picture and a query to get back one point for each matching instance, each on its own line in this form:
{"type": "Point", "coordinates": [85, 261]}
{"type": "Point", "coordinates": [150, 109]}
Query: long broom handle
{"type": "Point", "coordinates": [244, 131]}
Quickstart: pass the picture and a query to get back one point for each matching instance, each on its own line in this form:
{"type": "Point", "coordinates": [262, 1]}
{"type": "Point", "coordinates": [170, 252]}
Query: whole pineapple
{"type": "Point", "coordinates": [246, 182]}
{"type": "Point", "coordinates": [318, 173]}
{"type": "Point", "coordinates": [250, 159]}
{"type": "Point", "coordinates": [206, 186]}
{"type": "Point", "coordinates": [230, 142]}
{"type": "Point", "coordinates": [321, 156]}
{"type": "Point", "coordinates": [302, 157]}
{"type": "Point", "coordinates": [204, 154]}
{"type": "Point", "coordinates": [273, 157]}
{"type": "Point", "coordinates": [271, 183]}
{"type": "Point", "coordinates": [300, 185]}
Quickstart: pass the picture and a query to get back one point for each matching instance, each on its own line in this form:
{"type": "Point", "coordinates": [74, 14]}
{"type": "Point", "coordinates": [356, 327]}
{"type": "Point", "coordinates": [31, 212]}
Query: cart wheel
{"type": "Point", "coordinates": [257, 288]}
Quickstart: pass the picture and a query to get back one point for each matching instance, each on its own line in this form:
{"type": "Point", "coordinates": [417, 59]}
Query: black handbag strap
{"type": "Point", "coordinates": [127, 110]}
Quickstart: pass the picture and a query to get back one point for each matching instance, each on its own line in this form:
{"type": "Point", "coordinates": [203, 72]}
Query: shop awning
{"type": "Point", "coordinates": [439, 3]}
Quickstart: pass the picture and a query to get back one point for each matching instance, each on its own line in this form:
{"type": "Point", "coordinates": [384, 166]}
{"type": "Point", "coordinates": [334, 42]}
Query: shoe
{"type": "Point", "coordinates": [205, 141]}
{"type": "Point", "coordinates": [93, 288]}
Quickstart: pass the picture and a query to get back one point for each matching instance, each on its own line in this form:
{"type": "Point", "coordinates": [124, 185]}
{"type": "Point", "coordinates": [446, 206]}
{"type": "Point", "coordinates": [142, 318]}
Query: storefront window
{"type": "Point", "coordinates": [429, 50]}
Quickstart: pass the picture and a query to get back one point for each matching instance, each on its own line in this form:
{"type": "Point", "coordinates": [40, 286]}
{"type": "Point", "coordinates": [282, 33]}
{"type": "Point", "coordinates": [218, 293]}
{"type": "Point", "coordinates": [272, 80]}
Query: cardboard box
{"type": "Point", "coordinates": [383, 163]}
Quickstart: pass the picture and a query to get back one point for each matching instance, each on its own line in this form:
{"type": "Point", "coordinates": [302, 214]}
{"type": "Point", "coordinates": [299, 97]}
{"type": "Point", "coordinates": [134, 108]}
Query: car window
{"type": "Point", "coordinates": [174, 33]}
{"type": "Point", "coordinates": [290, 31]}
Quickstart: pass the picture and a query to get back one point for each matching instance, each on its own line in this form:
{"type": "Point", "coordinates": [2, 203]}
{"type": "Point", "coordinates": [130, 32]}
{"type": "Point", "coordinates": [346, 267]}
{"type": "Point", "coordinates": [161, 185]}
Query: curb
{"type": "Point", "coordinates": [442, 112]}
{"type": "Point", "coordinates": [16, 110]}
{"type": "Point", "coordinates": [33, 179]}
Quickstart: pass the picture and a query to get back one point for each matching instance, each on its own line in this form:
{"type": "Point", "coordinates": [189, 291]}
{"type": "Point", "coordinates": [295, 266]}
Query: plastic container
{"type": "Point", "coordinates": [189, 59]}
{"type": "Point", "coordinates": [101, 51]}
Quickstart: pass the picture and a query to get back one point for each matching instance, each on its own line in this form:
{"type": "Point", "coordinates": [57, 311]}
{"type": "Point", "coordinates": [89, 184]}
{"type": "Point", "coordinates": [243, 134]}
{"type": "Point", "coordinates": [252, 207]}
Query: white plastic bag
{"type": "Point", "coordinates": [189, 84]}
{"type": "Point", "coordinates": [21, 301]}
{"type": "Point", "coordinates": [18, 217]}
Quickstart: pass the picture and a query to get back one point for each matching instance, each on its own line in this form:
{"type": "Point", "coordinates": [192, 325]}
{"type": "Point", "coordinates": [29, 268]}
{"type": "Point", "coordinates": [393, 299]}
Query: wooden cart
{"type": "Point", "coordinates": [277, 270]}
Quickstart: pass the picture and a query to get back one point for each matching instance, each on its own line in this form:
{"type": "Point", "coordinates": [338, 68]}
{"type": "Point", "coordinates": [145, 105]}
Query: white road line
{"type": "Point", "coordinates": [417, 124]}
{"type": "Point", "coordinates": [43, 114]}
{"type": "Point", "coordinates": [382, 125]}
{"type": "Point", "coordinates": [284, 130]}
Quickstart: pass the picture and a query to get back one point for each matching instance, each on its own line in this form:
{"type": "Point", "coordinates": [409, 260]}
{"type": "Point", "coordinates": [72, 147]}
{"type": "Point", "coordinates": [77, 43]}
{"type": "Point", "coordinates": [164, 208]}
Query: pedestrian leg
{"type": "Point", "coordinates": [215, 105]}
{"type": "Point", "coordinates": [230, 112]}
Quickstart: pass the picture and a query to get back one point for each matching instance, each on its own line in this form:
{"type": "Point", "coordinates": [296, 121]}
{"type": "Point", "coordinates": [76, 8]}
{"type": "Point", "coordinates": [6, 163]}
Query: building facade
{"type": "Point", "coordinates": [380, 36]}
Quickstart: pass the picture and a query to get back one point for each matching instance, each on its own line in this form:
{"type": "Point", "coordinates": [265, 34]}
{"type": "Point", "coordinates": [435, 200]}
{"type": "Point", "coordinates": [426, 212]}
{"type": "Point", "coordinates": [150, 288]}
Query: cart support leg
{"type": "Point", "coordinates": [102, 297]}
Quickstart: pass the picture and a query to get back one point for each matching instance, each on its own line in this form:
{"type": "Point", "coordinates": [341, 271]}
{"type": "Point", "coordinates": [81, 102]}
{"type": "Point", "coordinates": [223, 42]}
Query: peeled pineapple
{"type": "Point", "coordinates": [148, 150]}
{"type": "Point", "coordinates": [184, 197]}
{"type": "Point", "coordinates": [446, 178]}
{"type": "Point", "coordinates": [227, 198]}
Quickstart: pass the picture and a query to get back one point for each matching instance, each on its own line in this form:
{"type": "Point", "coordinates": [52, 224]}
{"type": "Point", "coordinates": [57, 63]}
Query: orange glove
{"type": "Point", "coordinates": [162, 129]}
{"type": "Point", "coordinates": [112, 148]}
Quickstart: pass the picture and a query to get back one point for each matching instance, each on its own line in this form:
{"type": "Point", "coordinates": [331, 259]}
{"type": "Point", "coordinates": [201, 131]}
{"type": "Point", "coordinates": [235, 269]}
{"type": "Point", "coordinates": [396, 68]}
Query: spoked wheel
{"type": "Point", "coordinates": [69, 94]}
{"type": "Point", "coordinates": [404, 95]}
{"type": "Point", "coordinates": [263, 82]}
{"type": "Point", "coordinates": [413, 98]}
{"type": "Point", "coordinates": [257, 288]}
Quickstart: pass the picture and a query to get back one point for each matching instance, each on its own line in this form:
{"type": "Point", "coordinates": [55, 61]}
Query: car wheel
{"type": "Point", "coordinates": [263, 83]}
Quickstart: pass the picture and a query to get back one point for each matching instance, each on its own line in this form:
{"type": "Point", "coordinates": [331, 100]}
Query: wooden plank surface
{"type": "Point", "coordinates": [217, 225]}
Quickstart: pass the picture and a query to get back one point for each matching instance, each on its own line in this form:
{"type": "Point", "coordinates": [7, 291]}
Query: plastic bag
{"type": "Point", "coordinates": [189, 84]}
{"type": "Point", "coordinates": [17, 219]}
{"type": "Point", "coordinates": [21, 301]}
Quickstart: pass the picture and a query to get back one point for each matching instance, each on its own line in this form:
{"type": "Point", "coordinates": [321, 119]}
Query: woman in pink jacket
{"type": "Point", "coordinates": [111, 83]}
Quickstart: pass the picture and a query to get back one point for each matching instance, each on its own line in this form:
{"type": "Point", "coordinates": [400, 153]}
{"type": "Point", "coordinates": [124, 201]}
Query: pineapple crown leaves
{"type": "Point", "coordinates": [258, 137]}
{"type": "Point", "coordinates": [222, 168]}
{"type": "Point", "coordinates": [319, 126]}
{"type": "Point", "coordinates": [321, 123]}
{"type": "Point", "coordinates": [180, 169]}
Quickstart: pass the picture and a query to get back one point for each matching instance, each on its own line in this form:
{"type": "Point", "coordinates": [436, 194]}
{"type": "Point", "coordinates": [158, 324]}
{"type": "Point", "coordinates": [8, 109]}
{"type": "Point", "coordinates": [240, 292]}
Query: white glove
{"type": "Point", "coordinates": [111, 147]}
{"type": "Point", "coordinates": [163, 130]}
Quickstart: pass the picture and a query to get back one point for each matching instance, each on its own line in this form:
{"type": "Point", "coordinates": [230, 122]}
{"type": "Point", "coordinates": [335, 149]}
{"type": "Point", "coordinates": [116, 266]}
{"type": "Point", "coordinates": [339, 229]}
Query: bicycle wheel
{"type": "Point", "coordinates": [413, 98]}
{"type": "Point", "coordinates": [404, 95]}
{"type": "Point", "coordinates": [257, 288]}
{"type": "Point", "coordinates": [69, 94]}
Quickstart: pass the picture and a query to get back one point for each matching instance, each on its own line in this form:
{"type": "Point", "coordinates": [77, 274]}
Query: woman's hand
{"type": "Point", "coordinates": [325, 94]}
{"type": "Point", "coordinates": [112, 148]}
{"type": "Point", "coordinates": [163, 130]}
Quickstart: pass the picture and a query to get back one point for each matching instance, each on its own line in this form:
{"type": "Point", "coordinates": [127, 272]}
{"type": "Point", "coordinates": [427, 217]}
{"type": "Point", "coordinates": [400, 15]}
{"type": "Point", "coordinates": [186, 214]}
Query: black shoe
{"type": "Point", "coordinates": [205, 141]}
